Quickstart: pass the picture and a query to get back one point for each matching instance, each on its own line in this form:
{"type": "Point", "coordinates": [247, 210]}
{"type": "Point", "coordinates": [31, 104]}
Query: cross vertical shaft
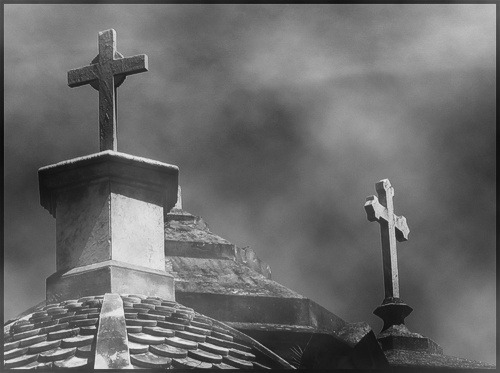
{"type": "Point", "coordinates": [392, 228]}
{"type": "Point", "coordinates": [107, 91]}
{"type": "Point", "coordinates": [388, 235]}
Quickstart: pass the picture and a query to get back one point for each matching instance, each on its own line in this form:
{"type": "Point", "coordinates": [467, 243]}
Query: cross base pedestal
{"type": "Point", "coordinates": [398, 337]}
{"type": "Point", "coordinates": [392, 311]}
{"type": "Point", "coordinates": [395, 336]}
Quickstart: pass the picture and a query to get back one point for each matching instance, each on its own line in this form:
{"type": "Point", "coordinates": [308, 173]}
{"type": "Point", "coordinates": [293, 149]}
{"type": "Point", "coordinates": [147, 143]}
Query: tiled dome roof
{"type": "Point", "coordinates": [159, 334]}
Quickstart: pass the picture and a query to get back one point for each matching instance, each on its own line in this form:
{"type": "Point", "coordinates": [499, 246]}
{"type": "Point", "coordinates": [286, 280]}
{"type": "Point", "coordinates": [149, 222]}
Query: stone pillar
{"type": "Point", "coordinates": [110, 209]}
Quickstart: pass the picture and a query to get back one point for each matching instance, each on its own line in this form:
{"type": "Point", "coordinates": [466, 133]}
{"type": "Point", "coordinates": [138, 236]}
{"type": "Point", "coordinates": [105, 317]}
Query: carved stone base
{"type": "Point", "coordinates": [393, 311]}
{"type": "Point", "coordinates": [109, 277]}
{"type": "Point", "coordinates": [398, 337]}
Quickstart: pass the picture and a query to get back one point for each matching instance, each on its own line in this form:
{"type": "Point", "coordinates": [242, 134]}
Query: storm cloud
{"type": "Point", "coordinates": [281, 119]}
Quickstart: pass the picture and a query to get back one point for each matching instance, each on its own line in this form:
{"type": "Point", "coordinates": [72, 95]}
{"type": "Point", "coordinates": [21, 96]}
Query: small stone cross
{"type": "Point", "coordinates": [392, 228]}
{"type": "Point", "coordinates": [107, 72]}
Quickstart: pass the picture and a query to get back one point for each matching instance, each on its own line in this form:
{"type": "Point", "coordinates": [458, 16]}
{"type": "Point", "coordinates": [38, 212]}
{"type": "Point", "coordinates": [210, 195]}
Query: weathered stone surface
{"type": "Point", "coordinates": [32, 340]}
{"type": "Point", "coordinates": [143, 306]}
{"type": "Point", "coordinates": [220, 342]}
{"type": "Point", "coordinates": [262, 310]}
{"type": "Point", "coordinates": [65, 333]}
{"type": "Point", "coordinates": [250, 302]}
{"type": "Point", "coordinates": [169, 351]}
{"type": "Point", "coordinates": [148, 316]}
{"type": "Point", "coordinates": [190, 336]}
{"type": "Point", "coordinates": [187, 235]}
{"type": "Point", "coordinates": [219, 276]}
{"type": "Point", "coordinates": [112, 343]}
{"type": "Point", "coordinates": [181, 227]}
{"type": "Point", "coordinates": [205, 356]}
{"type": "Point", "coordinates": [26, 334]}
{"type": "Point", "coordinates": [106, 72]}
{"type": "Point", "coordinates": [78, 341]}
{"type": "Point", "coordinates": [189, 363]}
{"type": "Point", "coordinates": [57, 354]}
{"type": "Point", "coordinates": [422, 359]}
{"type": "Point", "coordinates": [237, 363]}
{"type": "Point", "coordinates": [96, 223]}
{"type": "Point", "coordinates": [44, 346]}
{"type": "Point", "coordinates": [137, 348]}
{"type": "Point", "coordinates": [221, 335]}
{"type": "Point", "coordinates": [392, 228]}
{"type": "Point", "coordinates": [88, 330]}
{"type": "Point", "coordinates": [109, 276]}
{"type": "Point", "coordinates": [19, 328]}
{"type": "Point", "coordinates": [170, 325]}
{"type": "Point", "coordinates": [393, 312]}
{"type": "Point", "coordinates": [84, 352]}
{"type": "Point", "coordinates": [16, 352]}
{"type": "Point", "coordinates": [72, 362]}
{"type": "Point", "coordinates": [20, 361]}
{"type": "Point", "coordinates": [209, 347]}
{"type": "Point", "coordinates": [149, 360]}
{"type": "Point", "coordinates": [140, 240]}
{"type": "Point", "coordinates": [146, 338]}
{"type": "Point", "coordinates": [398, 337]}
{"type": "Point", "coordinates": [109, 226]}
{"type": "Point", "coordinates": [71, 348]}
{"type": "Point", "coordinates": [144, 173]}
{"type": "Point", "coordinates": [194, 329]}
{"type": "Point", "coordinates": [181, 343]}
{"type": "Point", "coordinates": [158, 331]}
{"type": "Point", "coordinates": [241, 354]}
{"type": "Point", "coordinates": [10, 346]}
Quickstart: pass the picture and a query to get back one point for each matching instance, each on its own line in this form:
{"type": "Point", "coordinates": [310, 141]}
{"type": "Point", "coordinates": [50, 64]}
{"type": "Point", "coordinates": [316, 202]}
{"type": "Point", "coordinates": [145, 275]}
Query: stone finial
{"type": "Point", "coordinates": [106, 72]}
{"type": "Point", "coordinates": [178, 204]}
{"type": "Point", "coordinates": [109, 207]}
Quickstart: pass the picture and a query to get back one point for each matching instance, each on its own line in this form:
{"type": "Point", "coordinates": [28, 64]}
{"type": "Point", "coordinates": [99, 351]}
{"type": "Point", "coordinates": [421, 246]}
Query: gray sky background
{"type": "Point", "coordinates": [281, 119]}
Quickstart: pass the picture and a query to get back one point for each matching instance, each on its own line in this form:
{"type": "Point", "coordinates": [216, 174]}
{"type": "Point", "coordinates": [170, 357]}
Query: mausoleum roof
{"type": "Point", "coordinates": [156, 333]}
{"type": "Point", "coordinates": [169, 293]}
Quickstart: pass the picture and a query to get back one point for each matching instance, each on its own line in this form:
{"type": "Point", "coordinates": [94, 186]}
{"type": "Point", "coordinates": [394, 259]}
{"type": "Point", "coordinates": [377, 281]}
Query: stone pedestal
{"type": "Point", "coordinates": [400, 346]}
{"type": "Point", "coordinates": [392, 311]}
{"type": "Point", "coordinates": [110, 209]}
{"type": "Point", "coordinates": [398, 337]}
{"type": "Point", "coordinates": [109, 277]}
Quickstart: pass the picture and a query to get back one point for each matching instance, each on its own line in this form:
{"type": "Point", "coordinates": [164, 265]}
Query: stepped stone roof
{"type": "Point", "coordinates": [187, 235]}
{"type": "Point", "coordinates": [223, 277]}
{"type": "Point", "coordinates": [406, 349]}
{"type": "Point", "coordinates": [233, 284]}
{"type": "Point", "coordinates": [154, 333]}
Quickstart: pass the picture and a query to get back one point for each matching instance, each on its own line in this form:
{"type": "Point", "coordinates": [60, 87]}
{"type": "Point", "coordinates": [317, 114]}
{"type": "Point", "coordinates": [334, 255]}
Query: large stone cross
{"type": "Point", "coordinates": [392, 228]}
{"type": "Point", "coordinates": [107, 72]}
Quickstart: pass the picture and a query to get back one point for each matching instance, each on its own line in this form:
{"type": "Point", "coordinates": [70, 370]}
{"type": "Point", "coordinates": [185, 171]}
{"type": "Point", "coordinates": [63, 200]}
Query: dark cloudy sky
{"type": "Point", "coordinates": [281, 119]}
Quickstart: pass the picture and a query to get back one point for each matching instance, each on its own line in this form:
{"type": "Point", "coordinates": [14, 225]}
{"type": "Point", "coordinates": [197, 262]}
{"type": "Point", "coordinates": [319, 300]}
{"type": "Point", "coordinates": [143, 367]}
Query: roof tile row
{"type": "Point", "coordinates": [177, 337]}
{"type": "Point", "coordinates": [160, 333]}
{"type": "Point", "coordinates": [60, 335]}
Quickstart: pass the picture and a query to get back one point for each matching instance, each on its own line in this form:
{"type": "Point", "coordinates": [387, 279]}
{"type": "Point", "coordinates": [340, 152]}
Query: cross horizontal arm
{"type": "Point", "coordinates": [402, 229]}
{"type": "Point", "coordinates": [376, 211]}
{"type": "Point", "coordinates": [130, 65]}
{"type": "Point", "coordinates": [83, 75]}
